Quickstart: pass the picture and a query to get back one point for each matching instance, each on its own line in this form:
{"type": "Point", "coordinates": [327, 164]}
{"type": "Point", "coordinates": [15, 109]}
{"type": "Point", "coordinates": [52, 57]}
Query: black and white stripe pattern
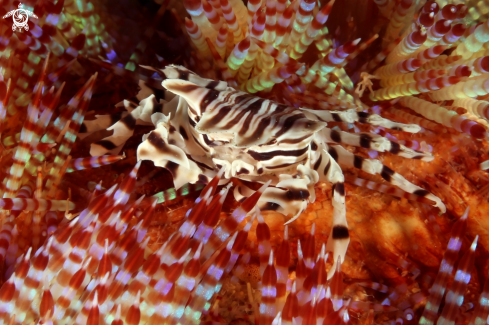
{"type": "Point", "coordinates": [168, 148]}
{"type": "Point", "coordinates": [208, 125]}
{"type": "Point", "coordinates": [148, 101]}
{"type": "Point", "coordinates": [124, 128]}
{"type": "Point", "coordinates": [253, 120]}
{"type": "Point", "coordinates": [289, 196]}
{"type": "Point", "coordinates": [374, 142]}
{"type": "Point", "coordinates": [351, 115]}
{"type": "Point", "coordinates": [375, 167]}
{"type": "Point", "coordinates": [328, 170]}
{"type": "Point", "coordinates": [101, 122]}
{"type": "Point", "coordinates": [182, 73]}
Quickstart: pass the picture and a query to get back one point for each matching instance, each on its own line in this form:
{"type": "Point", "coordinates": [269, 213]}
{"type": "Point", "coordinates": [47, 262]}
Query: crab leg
{"type": "Point", "coordinates": [182, 73]}
{"type": "Point", "coordinates": [374, 142]}
{"type": "Point", "coordinates": [329, 170]}
{"type": "Point", "coordinates": [346, 158]}
{"type": "Point", "coordinates": [150, 102]}
{"type": "Point", "coordinates": [124, 128]}
{"type": "Point", "coordinates": [350, 116]}
{"type": "Point", "coordinates": [101, 122]}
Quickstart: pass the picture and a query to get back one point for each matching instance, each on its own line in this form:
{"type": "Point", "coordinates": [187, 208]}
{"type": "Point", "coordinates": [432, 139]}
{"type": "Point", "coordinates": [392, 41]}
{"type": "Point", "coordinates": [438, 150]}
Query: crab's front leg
{"type": "Point", "coordinates": [124, 128]}
{"type": "Point", "coordinates": [150, 99]}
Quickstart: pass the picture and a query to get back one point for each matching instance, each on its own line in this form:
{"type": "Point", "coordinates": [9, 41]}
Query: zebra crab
{"type": "Point", "coordinates": [202, 126]}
